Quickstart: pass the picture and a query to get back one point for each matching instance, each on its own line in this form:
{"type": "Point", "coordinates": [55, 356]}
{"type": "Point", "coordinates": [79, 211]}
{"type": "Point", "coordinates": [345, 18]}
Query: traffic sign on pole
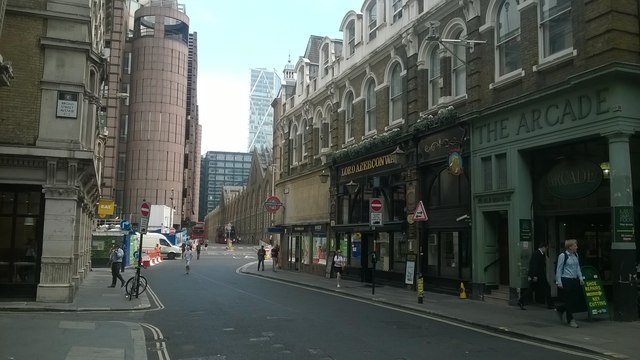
{"type": "Point", "coordinates": [376, 205]}
{"type": "Point", "coordinates": [420, 214]}
{"type": "Point", "coordinates": [272, 204]}
{"type": "Point", "coordinates": [145, 209]}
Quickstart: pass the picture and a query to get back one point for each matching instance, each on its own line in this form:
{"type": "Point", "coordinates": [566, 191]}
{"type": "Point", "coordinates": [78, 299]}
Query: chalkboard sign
{"type": "Point", "coordinates": [594, 292]}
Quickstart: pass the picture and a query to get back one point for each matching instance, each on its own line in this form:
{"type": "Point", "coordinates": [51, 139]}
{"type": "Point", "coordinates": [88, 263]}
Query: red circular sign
{"type": "Point", "coordinates": [145, 209]}
{"type": "Point", "coordinates": [376, 205]}
{"type": "Point", "coordinates": [272, 204]}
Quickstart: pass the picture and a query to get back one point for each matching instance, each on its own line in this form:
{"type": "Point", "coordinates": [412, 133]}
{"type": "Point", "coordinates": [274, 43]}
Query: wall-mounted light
{"type": "Point", "coordinates": [352, 187]}
{"type": "Point", "coordinates": [606, 169]}
{"type": "Point", "coordinates": [324, 176]}
{"type": "Point", "coordinates": [398, 155]}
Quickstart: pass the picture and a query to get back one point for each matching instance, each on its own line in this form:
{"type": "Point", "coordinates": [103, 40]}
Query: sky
{"type": "Point", "coordinates": [254, 34]}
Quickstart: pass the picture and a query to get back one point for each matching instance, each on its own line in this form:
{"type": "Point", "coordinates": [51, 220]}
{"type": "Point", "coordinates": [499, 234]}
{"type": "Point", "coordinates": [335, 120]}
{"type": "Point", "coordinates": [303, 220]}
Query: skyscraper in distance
{"type": "Point", "coordinates": [265, 85]}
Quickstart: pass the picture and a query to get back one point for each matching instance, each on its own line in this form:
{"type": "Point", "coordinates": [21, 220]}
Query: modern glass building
{"type": "Point", "coordinates": [219, 169]}
{"type": "Point", "coordinates": [265, 85]}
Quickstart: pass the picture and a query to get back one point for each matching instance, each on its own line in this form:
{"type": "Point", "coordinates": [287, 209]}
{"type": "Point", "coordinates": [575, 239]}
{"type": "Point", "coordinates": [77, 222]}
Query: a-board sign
{"type": "Point", "coordinates": [594, 292]}
{"type": "Point", "coordinates": [410, 269]}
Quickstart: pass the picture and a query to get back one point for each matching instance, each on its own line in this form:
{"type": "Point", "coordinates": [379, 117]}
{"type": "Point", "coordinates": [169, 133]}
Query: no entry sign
{"type": "Point", "coordinates": [376, 205]}
{"type": "Point", "coordinates": [145, 209]}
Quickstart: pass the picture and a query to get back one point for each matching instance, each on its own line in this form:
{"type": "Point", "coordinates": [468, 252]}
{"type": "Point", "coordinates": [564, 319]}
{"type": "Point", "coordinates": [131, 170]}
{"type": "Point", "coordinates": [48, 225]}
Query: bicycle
{"type": "Point", "coordinates": [136, 285]}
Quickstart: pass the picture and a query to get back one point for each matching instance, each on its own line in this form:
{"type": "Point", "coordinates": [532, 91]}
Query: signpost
{"type": "Point", "coordinates": [272, 204]}
{"type": "Point", "coordinates": [375, 213]}
{"type": "Point", "coordinates": [145, 210]}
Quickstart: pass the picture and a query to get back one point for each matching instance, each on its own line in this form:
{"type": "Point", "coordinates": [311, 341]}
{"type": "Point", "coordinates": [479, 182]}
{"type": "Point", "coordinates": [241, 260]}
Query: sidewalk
{"type": "Point", "coordinates": [612, 339]}
{"type": "Point", "coordinates": [80, 339]}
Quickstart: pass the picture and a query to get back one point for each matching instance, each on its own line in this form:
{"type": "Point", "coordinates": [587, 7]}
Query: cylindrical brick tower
{"type": "Point", "coordinates": [158, 108]}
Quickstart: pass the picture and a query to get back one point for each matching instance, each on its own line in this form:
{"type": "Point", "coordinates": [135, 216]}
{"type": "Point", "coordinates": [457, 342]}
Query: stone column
{"type": "Point", "coordinates": [61, 202]}
{"type": "Point", "coordinates": [623, 247]}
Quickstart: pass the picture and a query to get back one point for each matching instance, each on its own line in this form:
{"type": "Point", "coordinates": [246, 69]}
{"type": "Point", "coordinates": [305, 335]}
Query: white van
{"type": "Point", "coordinates": [168, 251]}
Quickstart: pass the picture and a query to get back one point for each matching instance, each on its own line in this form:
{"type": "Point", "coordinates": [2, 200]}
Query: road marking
{"type": "Point", "coordinates": [161, 346]}
{"type": "Point", "coordinates": [428, 316]}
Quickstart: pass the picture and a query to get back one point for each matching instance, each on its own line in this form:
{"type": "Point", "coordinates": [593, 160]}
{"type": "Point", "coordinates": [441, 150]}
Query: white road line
{"type": "Point", "coordinates": [161, 347]}
{"type": "Point", "coordinates": [427, 316]}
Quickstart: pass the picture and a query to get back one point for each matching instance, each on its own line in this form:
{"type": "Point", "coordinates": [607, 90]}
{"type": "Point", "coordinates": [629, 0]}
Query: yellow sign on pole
{"type": "Point", "coordinates": [106, 207]}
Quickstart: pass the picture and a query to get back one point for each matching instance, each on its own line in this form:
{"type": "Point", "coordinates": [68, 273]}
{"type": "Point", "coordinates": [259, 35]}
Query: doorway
{"type": "Point", "coordinates": [497, 247]}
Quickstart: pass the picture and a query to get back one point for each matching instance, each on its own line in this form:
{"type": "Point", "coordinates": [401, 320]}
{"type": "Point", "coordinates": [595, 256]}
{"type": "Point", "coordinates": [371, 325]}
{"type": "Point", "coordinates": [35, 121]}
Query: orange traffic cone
{"type": "Point", "coordinates": [462, 291]}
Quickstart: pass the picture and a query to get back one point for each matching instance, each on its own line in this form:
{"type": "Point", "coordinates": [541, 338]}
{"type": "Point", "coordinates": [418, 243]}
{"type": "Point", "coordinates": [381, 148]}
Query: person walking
{"type": "Point", "coordinates": [569, 279]}
{"type": "Point", "coordinates": [206, 247]}
{"type": "Point", "coordinates": [537, 277]}
{"type": "Point", "coordinates": [261, 255]}
{"type": "Point", "coordinates": [274, 257]}
{"type": "Point", "coordinates": [198, 249]}
{"type": "Point", "coordinates": [115, 257]}
{"type": "Point", "coordinates": [339, 262]}
{"type": "Point", "coordinates": [188, 256]}
{"type": "Point", "coordinates": [183, 247]}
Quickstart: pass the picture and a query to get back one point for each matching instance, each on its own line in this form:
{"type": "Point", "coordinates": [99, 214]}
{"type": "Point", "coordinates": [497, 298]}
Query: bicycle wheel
{"type": "Point", "coordinates": [131, 285]}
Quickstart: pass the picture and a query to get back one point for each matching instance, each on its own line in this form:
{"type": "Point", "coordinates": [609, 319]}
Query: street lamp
{"type": "Point", "coordinates": [324, 176]}
{"type": "Point", "coordinates": [172, 210]}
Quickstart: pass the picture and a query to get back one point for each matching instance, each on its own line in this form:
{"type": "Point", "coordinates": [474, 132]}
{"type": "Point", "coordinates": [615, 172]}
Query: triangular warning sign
{"type": "Point", "coordinates": [420, 214]}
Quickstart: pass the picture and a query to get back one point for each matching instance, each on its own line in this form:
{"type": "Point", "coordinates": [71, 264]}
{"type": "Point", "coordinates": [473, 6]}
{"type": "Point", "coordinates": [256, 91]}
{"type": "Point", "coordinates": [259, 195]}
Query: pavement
{"type": "Point", "coordinates": [122, 340]}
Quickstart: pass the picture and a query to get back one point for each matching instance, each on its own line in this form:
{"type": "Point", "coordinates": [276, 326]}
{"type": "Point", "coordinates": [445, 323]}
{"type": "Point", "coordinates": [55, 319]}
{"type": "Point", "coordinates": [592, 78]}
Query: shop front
{"type": "Point", "coordinates": [560, 167]}
{"type": "Point", "coordinates": [445, 193]}
{"type": "Point", "coordinates": [368, 215]}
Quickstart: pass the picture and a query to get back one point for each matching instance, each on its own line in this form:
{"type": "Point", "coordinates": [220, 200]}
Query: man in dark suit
{"type": "Point", "coordinates": [537, 277]}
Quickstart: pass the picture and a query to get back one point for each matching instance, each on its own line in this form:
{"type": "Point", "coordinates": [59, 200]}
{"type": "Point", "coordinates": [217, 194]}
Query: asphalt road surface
{"type": "Point", "coordinates": [217, 313]}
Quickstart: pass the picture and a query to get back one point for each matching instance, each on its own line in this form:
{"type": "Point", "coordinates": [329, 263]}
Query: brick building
{"type": "Point", "coordinates": [51, 145]}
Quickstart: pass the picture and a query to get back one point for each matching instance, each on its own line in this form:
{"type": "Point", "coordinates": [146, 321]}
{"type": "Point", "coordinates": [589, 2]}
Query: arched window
{"type": "Point", "coordinates": [325, 129]}
{"type": "Point", "coordinates": [434, 76]}
{"type": "Point", "coordinates": [370, 102]}
{"type": "Point", "coordinates": [351, 37]}
{"type": "Point", "coordinates": [303, 145]}
{"type": "Point", "coordinates": [293, 137]}
{"type": "Point", "coordinates": [508, 37]}
{"type": "Point", "coordinates": [348, 117]}
{"type": "Point", "coordinates": [395, 94]}
{"type": "Point", "coordinates": [458, 68]}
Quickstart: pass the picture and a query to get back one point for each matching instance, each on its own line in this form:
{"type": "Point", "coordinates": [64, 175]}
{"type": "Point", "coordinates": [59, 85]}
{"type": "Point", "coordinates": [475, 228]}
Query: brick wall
{"type": "Point", "coordinates": [20, 103]}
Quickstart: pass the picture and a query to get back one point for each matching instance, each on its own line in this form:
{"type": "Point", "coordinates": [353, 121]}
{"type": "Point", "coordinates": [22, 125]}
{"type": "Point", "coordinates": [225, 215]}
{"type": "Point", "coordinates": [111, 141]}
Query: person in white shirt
{"type": "Point", "coordinates": [188, 256]}
{"type": "Point", "coordinates": [115, 257]}
{"type": "Point", "coordinates": [339, 262]}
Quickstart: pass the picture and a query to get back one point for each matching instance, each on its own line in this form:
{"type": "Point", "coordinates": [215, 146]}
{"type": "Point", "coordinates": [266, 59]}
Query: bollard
{"type": "Point", "coordinates": [420, 285]}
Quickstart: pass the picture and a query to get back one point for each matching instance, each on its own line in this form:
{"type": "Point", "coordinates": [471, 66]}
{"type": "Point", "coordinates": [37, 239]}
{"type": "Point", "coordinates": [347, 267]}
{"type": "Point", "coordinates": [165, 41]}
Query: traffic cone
{"type": "Point", "coordinates": [462, 291]}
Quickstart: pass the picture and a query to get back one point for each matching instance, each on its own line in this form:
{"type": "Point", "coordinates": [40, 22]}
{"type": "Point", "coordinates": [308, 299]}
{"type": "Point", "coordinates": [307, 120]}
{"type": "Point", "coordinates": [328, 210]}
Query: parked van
{"type": "Point", "coordinates": [168, 251]}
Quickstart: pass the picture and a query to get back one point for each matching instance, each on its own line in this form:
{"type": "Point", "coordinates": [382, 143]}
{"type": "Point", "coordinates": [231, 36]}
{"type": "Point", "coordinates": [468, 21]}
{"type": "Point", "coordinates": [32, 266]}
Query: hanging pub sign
{"type": "Point", "coordinates": [454, 163]}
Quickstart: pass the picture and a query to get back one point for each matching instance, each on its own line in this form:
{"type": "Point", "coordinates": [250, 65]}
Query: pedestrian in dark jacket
{"type": "Point", "coordinates": [261, 255]}
{"type": "Point", "coordinates": [274, 257]}
{"type": "Point", "coordinates": [537, 276]}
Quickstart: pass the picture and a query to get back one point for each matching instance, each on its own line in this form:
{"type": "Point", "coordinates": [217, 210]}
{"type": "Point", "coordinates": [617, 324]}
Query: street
{"type": "Point", "coordinates": [216, 312]}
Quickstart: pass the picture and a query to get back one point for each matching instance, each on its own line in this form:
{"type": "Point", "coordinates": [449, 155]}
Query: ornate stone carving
{"type": "Point", "coordinates": [470, 8]}
{"type": "Point", "coordinates": [410, 42]}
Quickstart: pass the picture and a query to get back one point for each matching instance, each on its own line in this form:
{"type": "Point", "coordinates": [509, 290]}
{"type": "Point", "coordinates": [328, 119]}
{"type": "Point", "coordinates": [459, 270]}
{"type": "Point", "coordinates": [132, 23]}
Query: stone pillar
{"type": "Point", "coordinates": [623, 248]}
{"type": "Point", "coordinates": [60, 217]}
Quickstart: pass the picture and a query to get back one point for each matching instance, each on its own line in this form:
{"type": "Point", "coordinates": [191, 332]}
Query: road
{"type": "Point", "coordinates": [216, 312]}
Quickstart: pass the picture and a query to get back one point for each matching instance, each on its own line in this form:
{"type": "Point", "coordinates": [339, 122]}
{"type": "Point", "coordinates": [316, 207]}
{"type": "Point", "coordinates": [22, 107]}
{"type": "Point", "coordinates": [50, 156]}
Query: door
{"type": "Point", "coordinates": [496, 250]}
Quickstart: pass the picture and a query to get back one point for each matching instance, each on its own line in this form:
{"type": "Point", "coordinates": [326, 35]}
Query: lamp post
{"type": "Point", "coordinates": [172, 210]}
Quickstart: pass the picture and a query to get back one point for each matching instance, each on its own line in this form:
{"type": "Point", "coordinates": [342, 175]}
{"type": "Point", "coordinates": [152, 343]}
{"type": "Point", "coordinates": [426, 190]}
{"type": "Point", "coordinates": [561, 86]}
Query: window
{"type": "Point", "coordinates": [122, 165]}
{"type": "Point", "coordinates": [325, 135]}
{"type": "Point", "coordinates": [501, 171]}
{"type": "Point", "coordinates": [348, 120]}
{"type": "Point", "coordinates": [370, 121]}
{"type": "Point", "coordinates": [395, 94]}
{"type": "Point", "coordinates": [487, 173]}
{"type": "Point", "coordinates": [127, 63]}
{"type": "Point", "coordinates": [294, 144]}
{"type": "Point", "coordinates": [124, 128]}
{"type": "Point", "coordinates": [303, 145]}
{"type": "Point", "coordinates": [372, 17]}
{"type": "Point", "coordinates": [555, 24]}
{"type": "Point", "coordinates": [351, 37]}
{"type": "Point", "coordinates": [325, 60]}
{"type": "Point", "coordinates": [434, 76]}
{"type": "Point", "coordinates": [396, 6]}
{"type": "Point", "coordinates": [458, 69]}
{"type": "Point", "coordinates": [508, 38]}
